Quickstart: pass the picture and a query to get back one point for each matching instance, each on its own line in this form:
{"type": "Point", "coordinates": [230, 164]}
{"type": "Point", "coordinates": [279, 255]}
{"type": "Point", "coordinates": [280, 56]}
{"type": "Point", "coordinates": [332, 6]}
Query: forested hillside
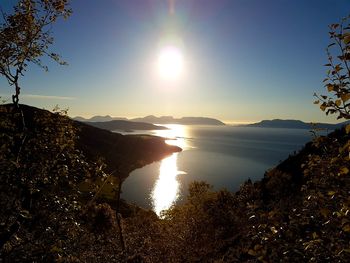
{"type": "Point", "coordinates": [298, 212]}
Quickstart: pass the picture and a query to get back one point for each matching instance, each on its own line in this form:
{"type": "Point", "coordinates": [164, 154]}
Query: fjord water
{"type": "Point", "coordinates": [223, 156]}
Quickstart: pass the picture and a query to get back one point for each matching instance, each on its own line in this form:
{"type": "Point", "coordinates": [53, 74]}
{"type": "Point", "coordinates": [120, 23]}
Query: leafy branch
{"type": "Point", "coordinates": [338, 73]}
{"type": "Point", "coordinates": [25, 36]}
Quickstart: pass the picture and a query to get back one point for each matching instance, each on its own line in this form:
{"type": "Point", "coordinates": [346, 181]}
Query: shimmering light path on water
{"type": "Point", "coordinates": [223, 156]}
{"type": "Point", "coordinates": [165, 191]}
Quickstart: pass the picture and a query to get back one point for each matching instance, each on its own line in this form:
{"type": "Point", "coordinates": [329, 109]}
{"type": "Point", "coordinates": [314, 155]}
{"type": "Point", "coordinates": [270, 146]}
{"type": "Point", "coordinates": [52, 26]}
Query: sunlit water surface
{"type": "Point", "coordinates": [224, 156]}
{"type": "Point", "coordinates": [167, 187]}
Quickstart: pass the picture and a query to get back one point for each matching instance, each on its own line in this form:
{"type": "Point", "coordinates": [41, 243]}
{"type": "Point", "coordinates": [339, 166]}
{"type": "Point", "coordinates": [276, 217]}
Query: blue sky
{"type": "Point", "coordinates": [245, 60]}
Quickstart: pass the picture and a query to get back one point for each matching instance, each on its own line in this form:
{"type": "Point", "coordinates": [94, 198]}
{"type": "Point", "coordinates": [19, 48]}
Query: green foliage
{"type": "Point", "coordinates": [298, 212]}
{"type": "Point", "coordinates": [101, 218]}
{"type": "Point", "coordinates": [25, 36]}
{"type": "Point", "coordinates": [337, 81]}
{"type": "Point", "coordinates": [42, 211]}
{"type": "Point", "coordinates": [189, 231]}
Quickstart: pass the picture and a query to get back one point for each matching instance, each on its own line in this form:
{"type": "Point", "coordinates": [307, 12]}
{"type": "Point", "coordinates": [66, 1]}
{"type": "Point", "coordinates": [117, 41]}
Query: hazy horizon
{"type": "Point", "coordinates": [236, 61]}
{"type": "Point", "coordinates": [227, 122]}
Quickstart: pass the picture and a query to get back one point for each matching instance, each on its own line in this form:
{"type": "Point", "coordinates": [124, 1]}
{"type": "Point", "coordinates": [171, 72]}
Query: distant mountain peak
{"type": "Point", "coordinates": [98, 118]}
{"type": "Point", "coordinates": [166, 119]}
{"type": "Point", "coordinates": [184, 120]}
{"type": "Point", "coordinates": [293, 124]}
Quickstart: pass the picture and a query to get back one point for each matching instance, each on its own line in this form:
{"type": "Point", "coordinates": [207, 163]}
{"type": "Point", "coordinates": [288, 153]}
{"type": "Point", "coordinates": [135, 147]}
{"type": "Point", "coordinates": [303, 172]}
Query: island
{"type": "Point", "coordinates": [295, 124]}
{"type": "Point", "coordinates": [98, 118]}
{"type": "Point", "coordinates": [145, 123]}
{"type": "Point", "coordinates": [183, 120]}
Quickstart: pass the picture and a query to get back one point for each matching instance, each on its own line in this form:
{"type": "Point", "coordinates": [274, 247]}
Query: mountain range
{"type": "Point", "coordinates": [148, 123]}
{"type": "Point", "coordinates": [124, 122]}
{"type": "Point", "coordinates": [98, 118]}
{"type": "Point", "coordinates": [295, 124]}
{"type": "Point", "coordinates": [183, 120]}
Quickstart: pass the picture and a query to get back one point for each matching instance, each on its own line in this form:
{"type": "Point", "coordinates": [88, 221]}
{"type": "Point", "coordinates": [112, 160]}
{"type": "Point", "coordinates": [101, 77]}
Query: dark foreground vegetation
{"type": "Point", "coordinates": [53, 172]}
{"type": "Point", "coordinates": [298, 212]}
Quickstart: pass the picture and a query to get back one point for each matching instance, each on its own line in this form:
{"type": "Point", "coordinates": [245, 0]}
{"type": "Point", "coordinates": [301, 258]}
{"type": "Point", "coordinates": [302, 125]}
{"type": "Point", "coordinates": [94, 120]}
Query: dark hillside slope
{"type": "Point", "coordinates": [120, 152]}
{"type": "Point", "coordinates": [299, 212]}
{"type": "Point", "coordinates": [323, 149]}
{"type": "Point", "coordinates": [124, 125]}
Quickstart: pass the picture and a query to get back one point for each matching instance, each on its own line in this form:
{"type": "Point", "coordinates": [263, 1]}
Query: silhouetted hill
{"type": "Point", "coordinates": [150, 119]}
{"type": "Point", "coordinates": [300, 204]}
{"type": "Point", "coordinates": [183, 120]}
{"type": "Point", "coordinates": [98, 118]}
{"type": "Point", "coordinates": [298, 212]}
{"type": "Point", "coordinates": [294, 124]}
{"type": "Point", "coordinates": [122, 152]}
{"type": "Point", "coordinates": [122, 125]}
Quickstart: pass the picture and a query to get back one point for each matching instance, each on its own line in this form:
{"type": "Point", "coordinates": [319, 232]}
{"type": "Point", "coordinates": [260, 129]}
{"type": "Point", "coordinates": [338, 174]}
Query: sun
{"type": "Point", "coordinates": [170, 63]}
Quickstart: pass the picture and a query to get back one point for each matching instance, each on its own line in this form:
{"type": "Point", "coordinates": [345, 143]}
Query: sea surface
{"type": "Point", "coordinates": [223, 156]}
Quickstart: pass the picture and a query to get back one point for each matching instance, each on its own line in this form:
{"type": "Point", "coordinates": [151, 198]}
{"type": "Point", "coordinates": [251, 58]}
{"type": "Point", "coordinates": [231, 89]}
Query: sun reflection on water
{"type": "Point", "coordinates": [166, 189]}
{"type": "Point", "coordinates": [176, 135]}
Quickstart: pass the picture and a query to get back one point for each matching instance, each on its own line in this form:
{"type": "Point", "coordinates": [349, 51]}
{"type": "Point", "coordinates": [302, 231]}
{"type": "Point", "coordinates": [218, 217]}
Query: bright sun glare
{"type": "Point", "coordinates": [170, 63]}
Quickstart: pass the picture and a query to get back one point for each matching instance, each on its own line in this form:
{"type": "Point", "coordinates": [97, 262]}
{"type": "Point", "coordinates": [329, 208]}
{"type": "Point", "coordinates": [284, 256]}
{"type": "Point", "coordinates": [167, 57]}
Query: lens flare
{"type": "Point", "coordinates": [170, 63]}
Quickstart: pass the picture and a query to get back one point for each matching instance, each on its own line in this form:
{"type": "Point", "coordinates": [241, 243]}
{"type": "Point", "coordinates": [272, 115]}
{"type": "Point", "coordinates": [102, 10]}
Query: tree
{"type": "Point", "coordinates": [25, 36]}
{"type": "Point", "coordinates": [337, 81]}
{"type": "Point", "coordinates": [45, 216]}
